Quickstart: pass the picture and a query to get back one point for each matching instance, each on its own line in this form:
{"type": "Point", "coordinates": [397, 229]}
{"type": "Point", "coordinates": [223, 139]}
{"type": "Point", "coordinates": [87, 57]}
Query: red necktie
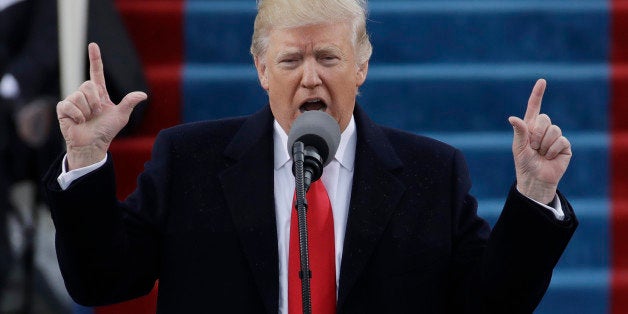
{"type": "Point", "coordinates": [320, 228]}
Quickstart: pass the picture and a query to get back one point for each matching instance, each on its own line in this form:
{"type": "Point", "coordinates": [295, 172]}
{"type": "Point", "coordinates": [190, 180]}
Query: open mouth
{"type": "Point", "coordinates": [313, 104]}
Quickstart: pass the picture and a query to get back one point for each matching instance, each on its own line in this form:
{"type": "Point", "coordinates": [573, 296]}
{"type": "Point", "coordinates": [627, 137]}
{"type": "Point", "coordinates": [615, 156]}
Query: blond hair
{"type": "Point", "coordinates": [283, 14]}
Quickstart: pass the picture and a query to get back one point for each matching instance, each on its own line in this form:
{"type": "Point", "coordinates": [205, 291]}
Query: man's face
{"type": "Point", "coordinates": [311, 68]}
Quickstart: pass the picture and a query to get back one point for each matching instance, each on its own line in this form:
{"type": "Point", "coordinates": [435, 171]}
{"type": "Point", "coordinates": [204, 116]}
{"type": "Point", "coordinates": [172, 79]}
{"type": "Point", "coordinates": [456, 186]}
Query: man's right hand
{"type": "Point", "coordinates": [89, 120]}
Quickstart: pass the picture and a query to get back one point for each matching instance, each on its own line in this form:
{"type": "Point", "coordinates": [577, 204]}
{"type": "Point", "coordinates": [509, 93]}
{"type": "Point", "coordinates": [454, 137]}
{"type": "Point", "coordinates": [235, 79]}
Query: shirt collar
{"type": "Point", "coordinates": [345, 154]}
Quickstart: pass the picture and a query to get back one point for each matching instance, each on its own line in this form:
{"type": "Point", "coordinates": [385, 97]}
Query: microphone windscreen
{"type": "Point", "coordinates": [317, 129]}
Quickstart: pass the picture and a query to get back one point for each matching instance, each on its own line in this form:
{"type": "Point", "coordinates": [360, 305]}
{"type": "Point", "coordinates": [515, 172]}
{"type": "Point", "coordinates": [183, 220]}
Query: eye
{"type": "Point", "coordinates": [288, 62]}
{"type": "Point", "coordinates": [329, 59]}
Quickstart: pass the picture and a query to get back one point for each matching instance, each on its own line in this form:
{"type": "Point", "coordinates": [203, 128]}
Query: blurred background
{"type": "Point", "coordinates": [453, 70]}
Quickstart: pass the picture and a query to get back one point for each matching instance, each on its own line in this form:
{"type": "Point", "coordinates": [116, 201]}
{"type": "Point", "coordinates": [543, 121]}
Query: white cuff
{"type": "Point", "coordinates": [66, 178]}
{"type": "Point", "coordinates": [9, 87]}
{"type": "Point", "coordinates": [556, 207]}
{"type": "Point", "coordinates": [7, 3]}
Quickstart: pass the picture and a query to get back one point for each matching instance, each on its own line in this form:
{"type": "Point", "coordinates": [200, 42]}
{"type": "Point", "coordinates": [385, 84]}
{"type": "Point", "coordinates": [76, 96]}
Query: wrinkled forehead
{"type": "Point", "coordinates": [318, 41]}
{"type": "Point", "coordinates": [323, 36]}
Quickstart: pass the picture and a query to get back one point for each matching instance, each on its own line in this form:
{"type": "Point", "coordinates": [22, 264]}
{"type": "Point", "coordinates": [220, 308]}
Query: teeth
{"type": "Point", "coordinates": [313, 104]}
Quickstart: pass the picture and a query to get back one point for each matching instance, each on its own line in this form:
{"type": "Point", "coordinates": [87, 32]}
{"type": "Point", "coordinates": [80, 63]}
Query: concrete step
{"type": "Point", "coordinates": [489, 158]}
{"type": "Point", "coordinates": [590, 245]}
{"type": "Point", "coordinates": [583, 291]}
{"type": "Point", "coordinates": [426, 98]}
{"type": "Point", "coordinates": [429, 31]}
{"type": "Point", "coordinates": [582, 278]}
{"type": "Point", "coordinates": [482, 96]}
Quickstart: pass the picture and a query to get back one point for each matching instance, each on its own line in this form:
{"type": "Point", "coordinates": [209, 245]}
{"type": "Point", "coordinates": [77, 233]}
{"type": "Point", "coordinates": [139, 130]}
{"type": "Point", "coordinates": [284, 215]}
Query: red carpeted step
{"type": "Point", "coordinates": [619, 156]}
{"type": "Point", "coordinates": [619, 218]}
{"type": "Point", "coordinates": [619, 59]}
{"type": "Point", "coordinates": [619, 101]}
{"type": "Point", "coordinates": [619, 302]}
{"type": "Point", "coordinates": [619, 30]}
{"type": "Point", "coordinates": [619, 166]}
{"type": "Point", "coordinates": [156, 28]}
{"type": "Point", "coordinates": [165, 99]}
{"type": "Point", "coordinates": [129, 156]}
{"type": "Point", "coordinates": [619, 277]}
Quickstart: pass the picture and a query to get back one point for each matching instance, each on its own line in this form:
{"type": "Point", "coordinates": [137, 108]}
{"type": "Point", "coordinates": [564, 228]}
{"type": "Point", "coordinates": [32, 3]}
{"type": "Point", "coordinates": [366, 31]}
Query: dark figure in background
{"type": "Point", "coordinates": [28, 71]}
{"type": "Point", "coordinates": [29, 90]}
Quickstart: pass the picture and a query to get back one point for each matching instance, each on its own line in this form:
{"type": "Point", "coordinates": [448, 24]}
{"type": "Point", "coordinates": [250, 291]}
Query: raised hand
{"type": "Point", "coordinates": [89, 120]}
{"type": "Point", "coordinates": [540, 150]}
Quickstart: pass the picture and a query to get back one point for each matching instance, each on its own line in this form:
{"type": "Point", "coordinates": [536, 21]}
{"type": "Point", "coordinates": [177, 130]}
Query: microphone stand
{"type": "Point", "coordinates": [301, 207]}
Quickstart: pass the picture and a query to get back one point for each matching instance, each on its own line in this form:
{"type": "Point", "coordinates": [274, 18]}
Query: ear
{"type": "Point", "coordinates": [361, 73]}
{"type": "Point", "coordinates": [260, 65]}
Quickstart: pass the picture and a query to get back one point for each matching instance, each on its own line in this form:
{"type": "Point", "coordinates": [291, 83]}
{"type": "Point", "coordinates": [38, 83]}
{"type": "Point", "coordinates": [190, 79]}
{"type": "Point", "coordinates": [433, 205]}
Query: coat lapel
{"type": "Point", "coordinates": [249, 189]}
{"type": "Point", "coordinates": [375, 194]}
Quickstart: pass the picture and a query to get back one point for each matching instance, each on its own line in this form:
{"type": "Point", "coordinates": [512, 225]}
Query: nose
{"type": "Point", "coordinates": [310, 77]}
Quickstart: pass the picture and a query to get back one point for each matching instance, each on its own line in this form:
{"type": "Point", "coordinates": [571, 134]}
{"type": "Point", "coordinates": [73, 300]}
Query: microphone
{"type": "Point", "coordinates": [314, 137]}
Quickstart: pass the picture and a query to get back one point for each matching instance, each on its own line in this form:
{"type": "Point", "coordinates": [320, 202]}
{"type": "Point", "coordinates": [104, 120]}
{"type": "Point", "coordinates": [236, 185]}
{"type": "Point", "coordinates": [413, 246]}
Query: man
{"type": "Point", "coordinates": [211, 215]}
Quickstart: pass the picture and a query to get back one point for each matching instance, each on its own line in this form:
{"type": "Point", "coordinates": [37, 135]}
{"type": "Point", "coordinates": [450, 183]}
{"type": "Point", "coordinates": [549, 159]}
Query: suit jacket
{"type": "Point", "coordinates": [202, 221]}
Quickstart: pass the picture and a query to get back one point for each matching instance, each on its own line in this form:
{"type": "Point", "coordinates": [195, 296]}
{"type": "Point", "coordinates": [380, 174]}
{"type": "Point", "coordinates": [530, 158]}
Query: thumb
{"type": "Point", "coordinates": [521, 136]}
{"type": "Point", "coordinates": [128, 103]}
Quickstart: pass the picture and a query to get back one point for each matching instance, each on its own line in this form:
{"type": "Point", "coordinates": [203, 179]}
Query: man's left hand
{"type": "Point", "coordinates": [540, 150]}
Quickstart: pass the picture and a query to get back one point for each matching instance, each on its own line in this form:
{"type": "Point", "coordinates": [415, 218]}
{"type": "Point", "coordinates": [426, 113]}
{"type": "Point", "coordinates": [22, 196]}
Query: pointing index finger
{"type": "Point", "coordinates": [96, 71]}
{"type": "Point", "coordinates": [534, 102]}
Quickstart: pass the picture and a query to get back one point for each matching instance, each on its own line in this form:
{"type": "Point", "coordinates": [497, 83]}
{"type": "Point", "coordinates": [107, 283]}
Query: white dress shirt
{"type": "Point", "coordinates": [337, 178]}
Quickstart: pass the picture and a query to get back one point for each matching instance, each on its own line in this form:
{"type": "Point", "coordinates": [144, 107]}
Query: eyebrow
{"type": "Point", "coordinates": [328, 49]}
{"type": "Point", "coordinates": [288, 53]}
